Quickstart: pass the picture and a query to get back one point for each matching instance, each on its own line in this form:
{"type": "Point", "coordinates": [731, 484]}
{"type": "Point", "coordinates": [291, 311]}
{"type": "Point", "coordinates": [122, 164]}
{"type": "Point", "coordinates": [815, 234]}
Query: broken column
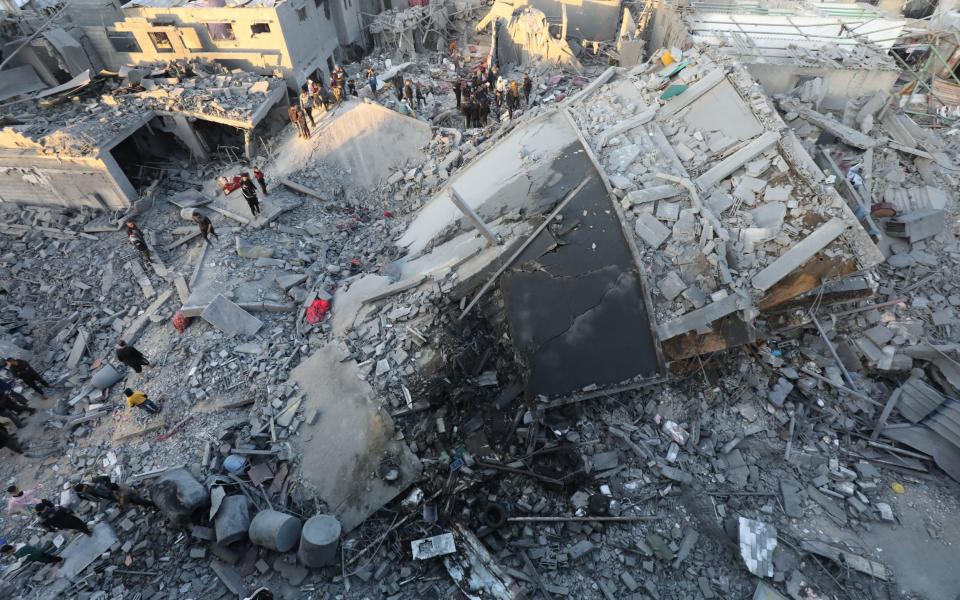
{"type": "Point", "coordinates": [232, 520]}
{"type": "Point", "coordinates": [275, 530]}
{"type": "Point", "coordinates": [178, 495]}
{"type": "Point", "coordinates": [319, 540]}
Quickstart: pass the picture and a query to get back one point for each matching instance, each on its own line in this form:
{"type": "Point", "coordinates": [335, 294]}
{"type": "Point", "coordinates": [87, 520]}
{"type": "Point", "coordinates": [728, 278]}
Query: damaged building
{"type": "Point", "coordinates": [102, 141]}
{"type": "Point", "coordinates": [666, 311]}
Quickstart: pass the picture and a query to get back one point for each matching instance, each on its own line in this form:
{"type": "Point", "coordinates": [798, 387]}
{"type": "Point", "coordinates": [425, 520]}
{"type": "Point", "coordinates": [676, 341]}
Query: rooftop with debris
{"type": "Point", "coordinates": [93, 112]}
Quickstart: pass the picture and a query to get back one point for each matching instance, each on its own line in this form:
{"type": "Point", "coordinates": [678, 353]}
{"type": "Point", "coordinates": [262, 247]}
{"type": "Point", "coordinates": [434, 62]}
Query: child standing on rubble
{"type": "Point", "coordinates": [138, 399]}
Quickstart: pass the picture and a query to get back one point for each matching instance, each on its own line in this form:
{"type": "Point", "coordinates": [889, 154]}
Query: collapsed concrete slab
{"type": "Point", "coordinates": [357, 466]}
{"type": "Point", "coordinates": [83, 550]}
{"type": "Point", "coordinates": [369, 141]}
{"type": "Point", "coordinates": [230, 318]}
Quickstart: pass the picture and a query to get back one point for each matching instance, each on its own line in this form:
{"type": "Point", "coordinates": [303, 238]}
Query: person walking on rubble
{"type": "Point", "coordinates": [318, 101]}
{"type": "Point", "coordinates": [500, 92]}
{"type": "Point", "coordinates": [55, 518]}
{"type": "Point", "coordinates": [9, 440]}
{"type": "Point", "coordinates": [527, 88]}
{"type": "Point", "coordinates": [484, 110]}
{"type": "Point", "coordinates": [261, 180]}
{"type": "Point", "coordinates": [22, 370]}
{"type": "Point", "coordinates": [250, 195]}
{"type": "Point", "coordinates": [421, 99]}
{"type": "Point", "coordinates": [397, 82]}
{"type": "Point", "coordinates": [306, 105]}
{"type": "Point", "coordinates": [124, 495]}
{"type": "Point", "coordinates": [141, 247]}
{"type": "Point", "coordinates": [92, 492]}
{"type": "Point", "coordinates": [11, 408]}
{"type": "Point", "coordinates": [457, 92]}
{"type": "Point", "coordinates": [513, 98]}
{"type": "Point", "coordinates": [206, 227]}
{"type": "Point", "coordinates": [21, 501]}
{"type": "Point", "coordinates": [352, 87]}
{"type": "Point", "coordinates": [138, 399]}
{"type": "Point", "coordinates": [131, 357]}
{"type": "Point", "coordinates": [32, 553]}
{"type": "Point", "coordinates": [302, 123]}
{"type": "Point", "coordinates": [294, 113]}
{"type": "Point", "coordinates": [372, 82]}
{"type": "Point", "coordinates": [408, 92]}
{"type": "Point", "coordinates": [133, 231]}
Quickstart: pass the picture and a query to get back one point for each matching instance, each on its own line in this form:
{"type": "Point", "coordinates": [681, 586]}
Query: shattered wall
{"type": "Point", "coordinates": [839, 84]}
{"type": "Point", "coordinates": [64, 181]}
{"type": "Point", "coordinates": [527, 37]}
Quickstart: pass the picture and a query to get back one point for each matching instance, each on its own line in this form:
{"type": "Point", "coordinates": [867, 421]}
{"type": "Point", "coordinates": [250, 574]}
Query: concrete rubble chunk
{"type": "Point", "coordinates": [430, 547]}
{"type": "Point", "coordinates": [83, 550]}
{"type": "Point", "coordinates": [799, 254]}
{"type": "Point", "coordinates": [757, 543]}
{"type": "Point", "coordinates": [247, 250]}
{"type": "Point", "coordinates": [651, 230]}
{"type": "Point", "coordinates": [847, 135]}
{"type": "Point", "coordinates": [230, 318]}
{"type": "Point", "coordinates": [671, 286]}
{"type": "Point", "coordinates": [651, 194]}
{"type": "Point", "coordinates": [727, 166]}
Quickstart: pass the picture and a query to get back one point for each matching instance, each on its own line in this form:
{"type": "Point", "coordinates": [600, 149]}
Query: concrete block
{"type": "Point", "coordinates": [248, 250]}
{"type": "Point", "coordinates": [651, 231]}
{"type": "Point", "coordinates": [799, 254]}
{"type": "Point", "coordinates": [230, 318]}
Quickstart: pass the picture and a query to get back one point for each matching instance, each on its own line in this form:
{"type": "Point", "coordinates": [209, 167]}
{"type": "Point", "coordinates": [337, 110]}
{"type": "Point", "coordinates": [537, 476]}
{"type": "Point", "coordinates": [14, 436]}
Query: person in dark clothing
{"type": "Point", "coordinates": [124, 494]}
{"type": "Point", "coordinates": [57, 518]}
{"type": "Point", "coordinates": [397, 82]}
{"type": "Point", "coordinates": [7, 388]}
{"type": "Point", "coordinates": [458, 91]}
{"type": "Point", "coordinates": [484, 111]}
{"type": "Point", "coordinates": [8, 440]}
{"type": "Point", "coordinates": [92, 492]}
{"type": "Point", "coordinates": [15, 402]}
{"type": "Point", "coordinates": [22, 370]}
{"type": "Point", "coordinates": [421, 99]}
{"type": "Point", "coordinates": [206, 227]}
{"type": "Point", "coordinates": [302, 124]}
{"type": "Point", "coordinates": [43, 504]}
{"type": "Point", "coordinates": [11, 409]}
{"type": "Point", "coordinates": [250, 195]}
{"type": "Point", "coordinates": [133, 231]}
{"type": "Point", "coordinates": [131, 357]}
{"type": "Point", "coordinates": [527, 87]}
{"type": "Point", "coordinates": [261, 181]}
{"type": "Point", "coordinates": [352, 87]}
{"type": "Point", "coordinates": [141, 247]}
{"type": "Point", "coordinates": [33, 554]}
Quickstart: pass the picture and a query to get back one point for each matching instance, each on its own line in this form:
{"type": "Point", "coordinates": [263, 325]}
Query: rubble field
{"type": "Point", "coordinates": [652, 334]}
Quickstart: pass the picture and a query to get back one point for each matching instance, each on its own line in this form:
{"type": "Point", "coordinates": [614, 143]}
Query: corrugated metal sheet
{"type": "Point", "coordinates": [918, 399]}
{"type": "Point", "coordinates": [946, 421]}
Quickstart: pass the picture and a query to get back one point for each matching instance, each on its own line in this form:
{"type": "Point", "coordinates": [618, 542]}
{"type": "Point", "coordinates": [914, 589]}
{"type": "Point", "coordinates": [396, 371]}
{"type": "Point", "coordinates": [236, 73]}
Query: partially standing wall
{"type": "Point", "coordinates": [29, 178]}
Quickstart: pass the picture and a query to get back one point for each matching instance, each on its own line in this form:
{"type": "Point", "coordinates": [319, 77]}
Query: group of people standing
{"type": "Point", "coordinates": [13, 404]}
{"type": "Point", "coordinates": [314, 96]}
{"type": "Point", "coordinates": [474, 93]}
{"type": "Point", "coordinates": [54, 517]}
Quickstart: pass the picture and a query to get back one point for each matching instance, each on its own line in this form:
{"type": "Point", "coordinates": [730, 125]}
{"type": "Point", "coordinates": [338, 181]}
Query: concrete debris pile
{"type": "Point", "coordinates": [726, 209]}
{"type": "Point", "coordinates": [651, 336]}
{"type": "Point", "coordinates": [110, 106]}
{"type": "Point", "coordinates": [402, 34]}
